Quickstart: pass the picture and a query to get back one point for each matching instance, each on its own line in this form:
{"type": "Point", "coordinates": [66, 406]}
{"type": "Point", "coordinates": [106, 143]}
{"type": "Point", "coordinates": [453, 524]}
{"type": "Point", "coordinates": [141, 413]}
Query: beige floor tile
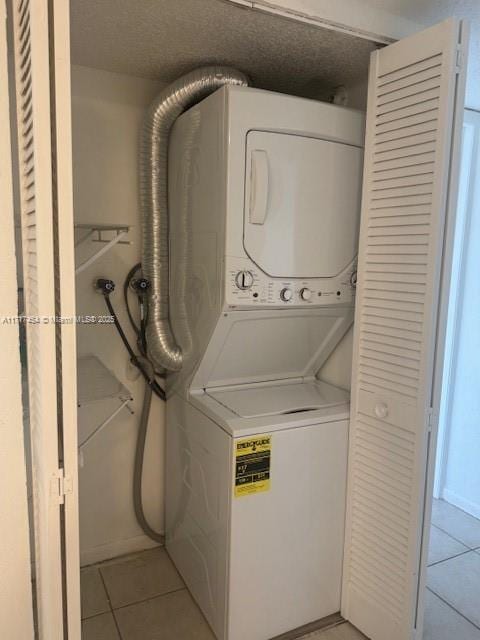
{"type": "Point", "coordinates": [442, 546]}
{"type": "Point", "coordinates": [100, 627]}
{"type": "Point", "coordinates": [94, 596]}
{"type": "Point", "coordinates": [174, 616]}
{"type": "Point", "coordinates": [458, 524]}
{"type": "Point", "coordinates": [347, 632]}
{"type": "Point", "coordinates": [144, 575]}
{"type": "Point", "coordinates": [457, 581]}
{"type": "Point", "coordinates": [444, 623]}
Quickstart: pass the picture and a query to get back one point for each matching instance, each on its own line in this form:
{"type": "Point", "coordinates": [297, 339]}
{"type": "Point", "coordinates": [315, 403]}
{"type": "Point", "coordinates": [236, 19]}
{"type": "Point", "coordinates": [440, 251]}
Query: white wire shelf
{"type": "Point", "coordinates": [95, 382]}
{"type": "Point", "coordinates": [107, 235]}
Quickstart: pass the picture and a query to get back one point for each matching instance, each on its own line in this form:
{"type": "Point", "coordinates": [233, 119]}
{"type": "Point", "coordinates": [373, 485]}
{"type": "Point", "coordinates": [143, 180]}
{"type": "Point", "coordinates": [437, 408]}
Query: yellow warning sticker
{"type": "Point", "coordinates": [252, 465]}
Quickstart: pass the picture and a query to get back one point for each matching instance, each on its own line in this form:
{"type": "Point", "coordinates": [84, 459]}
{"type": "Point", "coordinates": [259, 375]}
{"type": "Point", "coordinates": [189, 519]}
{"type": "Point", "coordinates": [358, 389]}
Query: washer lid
{"type": "Point", "coordinates": [271, 344]}
{"type": "Point", "coordinates": [280, 399]}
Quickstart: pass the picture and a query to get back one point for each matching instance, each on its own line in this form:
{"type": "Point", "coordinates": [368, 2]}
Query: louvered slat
{"type": "Point", "coordinates": [409, 129]}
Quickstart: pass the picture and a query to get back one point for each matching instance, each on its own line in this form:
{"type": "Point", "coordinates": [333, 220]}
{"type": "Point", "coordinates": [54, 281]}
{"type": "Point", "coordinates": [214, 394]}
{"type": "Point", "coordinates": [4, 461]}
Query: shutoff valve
{"type": "Point", "coordinates": [140, 285]}
{"type": "Point", "coordinates": [104, 286]}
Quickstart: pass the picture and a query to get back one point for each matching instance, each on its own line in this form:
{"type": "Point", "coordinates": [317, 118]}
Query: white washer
{"type": "Point", "coordinates": [264, 562]}
{"type": "Point", "coordinates": [264, 197]}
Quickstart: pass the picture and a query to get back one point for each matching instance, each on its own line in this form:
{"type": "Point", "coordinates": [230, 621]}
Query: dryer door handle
{"type": "Point", "coordinates": [258, 186]}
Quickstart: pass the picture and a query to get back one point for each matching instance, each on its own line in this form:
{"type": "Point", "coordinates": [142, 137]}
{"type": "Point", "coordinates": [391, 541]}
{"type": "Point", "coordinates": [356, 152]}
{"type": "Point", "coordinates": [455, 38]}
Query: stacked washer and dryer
{"type": "Point", "coordinates": [264, 199]}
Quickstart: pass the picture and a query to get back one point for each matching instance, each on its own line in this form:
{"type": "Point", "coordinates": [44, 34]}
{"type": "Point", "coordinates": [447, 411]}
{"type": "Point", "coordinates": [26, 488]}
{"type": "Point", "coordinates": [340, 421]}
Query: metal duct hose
{"type": "Point", "coordinates": [172, 101]}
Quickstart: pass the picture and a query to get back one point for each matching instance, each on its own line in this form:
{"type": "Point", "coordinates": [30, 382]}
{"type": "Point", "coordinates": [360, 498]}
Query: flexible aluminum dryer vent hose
{"type": "Point", "coordinates": [172, 101]}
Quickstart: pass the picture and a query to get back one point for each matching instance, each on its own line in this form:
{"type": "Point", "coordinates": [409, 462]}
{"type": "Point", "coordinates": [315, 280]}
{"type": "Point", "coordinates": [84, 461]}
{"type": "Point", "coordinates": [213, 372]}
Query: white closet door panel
{"type": "Point", "coordinates": [413, 94]}
{"type": "Point", "coordinates": [16, 611]}
{"type": "Point", "coordinates": [43, 128]}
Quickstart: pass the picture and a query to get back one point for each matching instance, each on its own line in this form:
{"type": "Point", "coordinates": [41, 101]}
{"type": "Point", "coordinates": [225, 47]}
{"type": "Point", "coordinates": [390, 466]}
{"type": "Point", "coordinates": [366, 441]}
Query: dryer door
{"type": "Point", "coordinates": [302, 204]}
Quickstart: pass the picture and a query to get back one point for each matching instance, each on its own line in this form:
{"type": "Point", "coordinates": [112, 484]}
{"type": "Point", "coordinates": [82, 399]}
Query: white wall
{"type": "Point", "coordinates": [16, 617]}
{"type": "Point", "coordinates": [461, 484]}
{"type": "Point", "coordinates": [107, 112]}
{"type": "Point", "coordinates": [338, 368]}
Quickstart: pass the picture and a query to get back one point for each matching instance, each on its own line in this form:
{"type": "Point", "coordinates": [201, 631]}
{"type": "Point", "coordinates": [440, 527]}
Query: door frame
{"type": "Point", "coordinates": [439, 369]}
{"type": "Point", "coordinates": [457, 285]}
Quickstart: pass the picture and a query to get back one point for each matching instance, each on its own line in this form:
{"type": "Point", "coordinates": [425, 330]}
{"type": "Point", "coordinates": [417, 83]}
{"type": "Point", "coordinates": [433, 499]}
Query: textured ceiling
{"type": "Point", "coordinates": [163, 39]}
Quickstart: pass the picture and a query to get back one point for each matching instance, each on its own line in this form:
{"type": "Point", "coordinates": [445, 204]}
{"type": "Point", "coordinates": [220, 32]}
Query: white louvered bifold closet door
{"type": "Point", "coordinates": [415, 91]}
{"type": "Point", "coordinates": [42, 82]}
{"type": "Point", "coordinates": [16, 617]}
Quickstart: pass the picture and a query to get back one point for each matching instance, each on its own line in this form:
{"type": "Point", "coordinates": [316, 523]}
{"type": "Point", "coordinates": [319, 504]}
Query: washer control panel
{"type": "Point", "coordinates": [247, 286]}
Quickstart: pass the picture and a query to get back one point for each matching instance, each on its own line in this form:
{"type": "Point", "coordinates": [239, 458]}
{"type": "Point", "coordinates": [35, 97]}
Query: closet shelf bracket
{"type": "Point", "coordinates": [96, 383]}
{"type": "Point", "coordinates": [107, 235]}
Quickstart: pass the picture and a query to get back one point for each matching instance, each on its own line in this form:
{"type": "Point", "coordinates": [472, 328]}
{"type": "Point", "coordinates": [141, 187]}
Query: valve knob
{"type": "Point", "coordinates": [104, 286]}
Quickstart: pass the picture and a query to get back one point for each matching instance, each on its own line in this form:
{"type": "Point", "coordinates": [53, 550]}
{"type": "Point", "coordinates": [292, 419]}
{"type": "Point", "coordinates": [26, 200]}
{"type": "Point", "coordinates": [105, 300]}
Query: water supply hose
{"type": "Point", "coordinates": [146, 368]}
{"type": "Point", "coordinates": [139, 463]}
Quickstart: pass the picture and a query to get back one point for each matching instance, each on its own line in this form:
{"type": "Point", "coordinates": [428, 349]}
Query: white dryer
{"type": "Point", "coordinates": [264, 195]}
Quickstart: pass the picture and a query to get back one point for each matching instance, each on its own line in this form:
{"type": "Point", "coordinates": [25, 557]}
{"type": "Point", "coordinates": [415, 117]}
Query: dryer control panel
{"type": "Point", "coordinates": [247, 286]}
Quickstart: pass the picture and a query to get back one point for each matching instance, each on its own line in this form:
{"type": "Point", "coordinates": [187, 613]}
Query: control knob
{"type": "Point", "coordinates": [305, 293]}
{"type": "Point", "coordinates": [353, 279]}
{"type": "Point", "coordinates": [286, 294]}
{"type": "Point", "coordinates": [244, 280]}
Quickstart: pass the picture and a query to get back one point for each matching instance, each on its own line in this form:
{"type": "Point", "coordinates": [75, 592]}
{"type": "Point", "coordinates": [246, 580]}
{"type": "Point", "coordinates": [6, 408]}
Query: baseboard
{"type": "Point", "coordinates": [115, 548]}
{"type": "Point", "coordinates": [308, 629]}
{"type": "Point", "coordinates": [473, 508]}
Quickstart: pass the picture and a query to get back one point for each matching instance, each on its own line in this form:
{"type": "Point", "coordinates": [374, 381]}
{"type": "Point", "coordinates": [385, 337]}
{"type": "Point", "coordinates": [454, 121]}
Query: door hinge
{"type": "Point", "coordinates": [430, 419]}
{"type": "Point", "coordinates": [459, 59]}
{"type": "Point", "coordinates": [61, 486]}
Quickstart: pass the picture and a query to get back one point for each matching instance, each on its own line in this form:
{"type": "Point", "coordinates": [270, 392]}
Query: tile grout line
{"type": "Point", "coordinates": [104, 584]}
{"type": "Point", "coordinates": [110, 604]}
{"type": "Point", "coordinates": [158, 595]}
{"type": "Point", "coordinates": [450, 504]}
{"type": "Point", "coordinates": [117, 624]}
{"type": "Point", "coordinates": [124, 557]}
{"type": "Point", "coordinates": [457, 555]}
{"type": "Point", "coordinates": [453, 608]}
{"type": "Point", "coordinates": [96, 615]}
{"type": "Point", "coordinates": [453, 537]}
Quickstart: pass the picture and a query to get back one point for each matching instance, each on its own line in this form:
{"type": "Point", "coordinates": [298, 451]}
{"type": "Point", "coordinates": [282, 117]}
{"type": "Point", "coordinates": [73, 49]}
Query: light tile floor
{"type": "Point", "coordinates": [453, 582]}
{"type": "Point", "coordinates": [142, 597]}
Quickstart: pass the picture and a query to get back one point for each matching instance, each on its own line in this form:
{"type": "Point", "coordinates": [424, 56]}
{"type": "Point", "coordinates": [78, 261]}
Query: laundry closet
{"type": "Point", "coordinates": [266, 279]}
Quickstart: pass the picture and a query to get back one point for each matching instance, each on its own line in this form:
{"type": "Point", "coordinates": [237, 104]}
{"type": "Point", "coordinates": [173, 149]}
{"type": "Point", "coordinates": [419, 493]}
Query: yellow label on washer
{"type": "Point", "coordinates": [252, 465]}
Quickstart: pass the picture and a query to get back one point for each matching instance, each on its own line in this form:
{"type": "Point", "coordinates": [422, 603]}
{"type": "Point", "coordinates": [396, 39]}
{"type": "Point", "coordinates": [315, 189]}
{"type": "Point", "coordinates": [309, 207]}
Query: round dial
{"type": "Point", "coordinates": [286, 294]}
{"type": "Point", "coordinates": [305, 293]}
{"type": "Point", "coordinates": [244, 280]}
